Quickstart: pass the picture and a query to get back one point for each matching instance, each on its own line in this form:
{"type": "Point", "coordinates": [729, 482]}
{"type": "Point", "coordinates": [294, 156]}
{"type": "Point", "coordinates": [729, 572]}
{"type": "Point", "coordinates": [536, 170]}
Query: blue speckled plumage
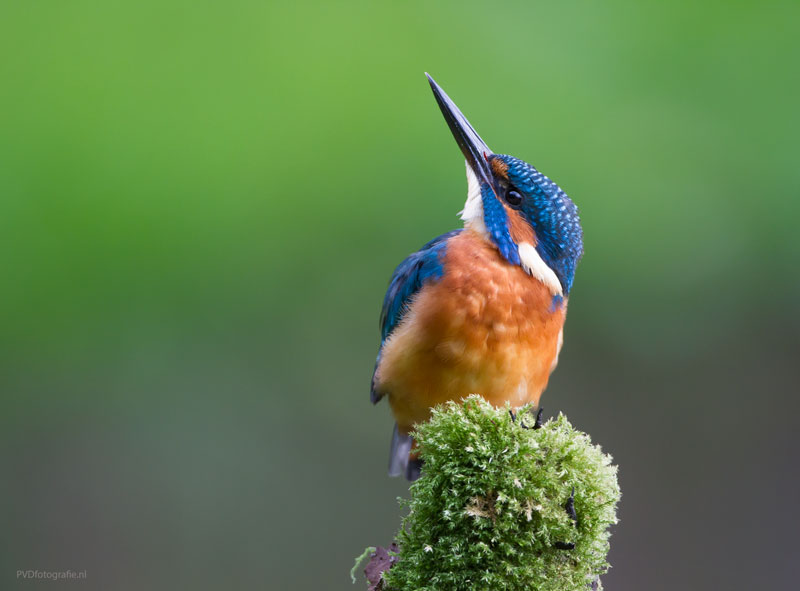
{"type": "Point", "coordinates": [553, 217]}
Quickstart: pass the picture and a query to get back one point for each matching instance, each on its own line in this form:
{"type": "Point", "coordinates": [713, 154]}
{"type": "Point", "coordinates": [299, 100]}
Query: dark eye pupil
{"type": "Point", "coordinates": [513, 197]}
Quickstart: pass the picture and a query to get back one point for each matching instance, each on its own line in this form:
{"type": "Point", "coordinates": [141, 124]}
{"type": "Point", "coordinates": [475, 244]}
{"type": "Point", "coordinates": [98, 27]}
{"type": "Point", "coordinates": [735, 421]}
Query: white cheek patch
{"type": "Point", "coordinates": [536, 267]}
{"type": "Point", "coordinates": [472, 214]}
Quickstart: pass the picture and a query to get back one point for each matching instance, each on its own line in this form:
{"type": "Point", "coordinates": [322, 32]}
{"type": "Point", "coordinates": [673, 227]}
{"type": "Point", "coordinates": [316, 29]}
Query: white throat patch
{"type": "Point", "coordinates": [472, 214]}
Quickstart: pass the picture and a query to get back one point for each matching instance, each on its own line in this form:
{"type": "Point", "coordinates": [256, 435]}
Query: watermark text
{"type": "Point", "coordinates": [52, 575]}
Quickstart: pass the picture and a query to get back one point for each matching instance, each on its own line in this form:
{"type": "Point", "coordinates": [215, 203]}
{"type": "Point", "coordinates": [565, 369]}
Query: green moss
{"type": "Point", "coordinates": [489, 511]}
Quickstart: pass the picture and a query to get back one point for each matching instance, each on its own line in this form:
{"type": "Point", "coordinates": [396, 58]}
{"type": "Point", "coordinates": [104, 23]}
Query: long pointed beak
{"type": "Point", "coordinates": [474, 148]}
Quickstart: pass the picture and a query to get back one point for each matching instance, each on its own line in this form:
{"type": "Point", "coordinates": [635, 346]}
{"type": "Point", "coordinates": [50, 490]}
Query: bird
{"type": "Point", "coordinates": [479, 309]}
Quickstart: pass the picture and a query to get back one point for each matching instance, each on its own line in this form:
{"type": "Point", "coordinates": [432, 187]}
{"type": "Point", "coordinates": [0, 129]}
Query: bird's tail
{"type": "Point", "coordinates": [400, 461]}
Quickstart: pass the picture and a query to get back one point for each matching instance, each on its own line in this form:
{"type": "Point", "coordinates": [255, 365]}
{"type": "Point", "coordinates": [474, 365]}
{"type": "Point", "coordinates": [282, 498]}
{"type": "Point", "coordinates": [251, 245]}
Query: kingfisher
{"type": "Point", "coordinates": [480, 309]}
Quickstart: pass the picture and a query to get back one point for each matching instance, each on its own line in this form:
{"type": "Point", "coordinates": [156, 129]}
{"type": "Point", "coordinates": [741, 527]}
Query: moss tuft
{"type": "Point", "coordinates": [493, 511]}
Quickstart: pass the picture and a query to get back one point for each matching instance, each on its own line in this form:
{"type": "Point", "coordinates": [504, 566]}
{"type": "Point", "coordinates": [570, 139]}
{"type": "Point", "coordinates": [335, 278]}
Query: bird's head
{"type": "Point", "coordinates": [523, 213]}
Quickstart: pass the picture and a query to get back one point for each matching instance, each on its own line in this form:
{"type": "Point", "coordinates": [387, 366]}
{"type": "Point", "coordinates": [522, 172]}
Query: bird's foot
{"type": "Point", "coordinates": [536, 425]}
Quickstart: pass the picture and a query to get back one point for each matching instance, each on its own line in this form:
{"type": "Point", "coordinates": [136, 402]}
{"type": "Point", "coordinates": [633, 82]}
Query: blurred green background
{"type": "Point", "coordinates": [201, 205]}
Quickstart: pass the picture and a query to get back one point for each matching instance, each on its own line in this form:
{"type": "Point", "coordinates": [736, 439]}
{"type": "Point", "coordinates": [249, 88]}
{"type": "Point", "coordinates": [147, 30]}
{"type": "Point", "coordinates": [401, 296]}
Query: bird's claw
{"type": "Point", "coordinates": [538, 423]}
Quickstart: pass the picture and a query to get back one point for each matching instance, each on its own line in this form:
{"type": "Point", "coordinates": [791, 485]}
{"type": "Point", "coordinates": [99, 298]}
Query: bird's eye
{"type": "Point", "coordinates": [513, 197]}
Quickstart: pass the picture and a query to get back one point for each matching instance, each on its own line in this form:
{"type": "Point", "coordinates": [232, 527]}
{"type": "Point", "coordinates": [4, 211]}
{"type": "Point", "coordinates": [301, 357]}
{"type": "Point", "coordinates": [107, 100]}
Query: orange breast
{"type": "Point", "coordinates": [486, 327]}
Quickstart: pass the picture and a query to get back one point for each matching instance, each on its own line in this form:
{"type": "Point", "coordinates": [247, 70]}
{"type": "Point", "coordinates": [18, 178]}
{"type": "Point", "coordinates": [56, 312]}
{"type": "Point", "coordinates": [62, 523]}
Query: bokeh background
{"type": "Point", "coordinates": [201, 205]}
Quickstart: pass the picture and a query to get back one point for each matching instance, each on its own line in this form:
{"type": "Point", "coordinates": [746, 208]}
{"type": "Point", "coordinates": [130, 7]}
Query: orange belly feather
{"type": "Point", "coordinates": [486, 327]}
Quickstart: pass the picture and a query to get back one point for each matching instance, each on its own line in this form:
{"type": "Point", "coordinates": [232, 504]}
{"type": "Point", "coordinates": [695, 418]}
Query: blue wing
{"type": "Point", "coordinates": [409, 277]}
{"type": "Point", "coordinates": [424, 265]}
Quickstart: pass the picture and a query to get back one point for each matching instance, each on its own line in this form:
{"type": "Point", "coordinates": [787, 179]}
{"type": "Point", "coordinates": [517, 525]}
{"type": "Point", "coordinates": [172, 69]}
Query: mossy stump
{"type": "Point", "coordinates": [504, 504]}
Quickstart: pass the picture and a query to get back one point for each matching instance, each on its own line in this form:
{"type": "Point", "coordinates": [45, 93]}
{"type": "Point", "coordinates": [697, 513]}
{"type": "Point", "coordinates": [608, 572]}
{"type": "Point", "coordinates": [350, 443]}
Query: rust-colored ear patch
{"type": "Point", "coordinates": [499, 167]}
{"type": "Point", "coordinates": [518, 228]}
